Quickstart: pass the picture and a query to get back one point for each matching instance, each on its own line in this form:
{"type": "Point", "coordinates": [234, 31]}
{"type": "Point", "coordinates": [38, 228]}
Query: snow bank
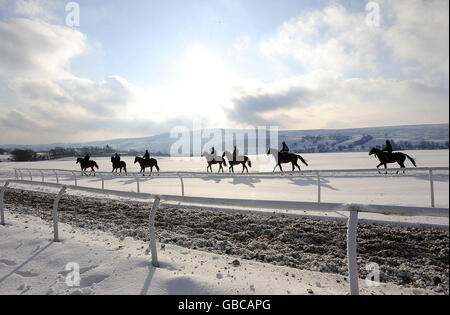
{"type": "Point", "coordinates": [30, 263]}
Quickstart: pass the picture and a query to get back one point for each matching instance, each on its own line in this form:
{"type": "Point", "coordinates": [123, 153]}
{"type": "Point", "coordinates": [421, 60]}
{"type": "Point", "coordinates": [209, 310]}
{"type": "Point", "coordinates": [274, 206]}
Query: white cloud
{"type": "Point", "coordinates": [414, 32]}
{"type": "Point", "coordinates": [35, 48]}
{"type": "Point", "coordinates": [418, 32]}
{"type": "Point", "coordinates": [332, 39]}
{"type": "Point", "coordinates": [324, 99]}
{"type": "Point", "coordinates": [45, 98]}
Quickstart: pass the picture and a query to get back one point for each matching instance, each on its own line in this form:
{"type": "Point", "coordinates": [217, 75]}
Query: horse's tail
{"type": "Point", "coordinates": [96, 165]}
{"type": "Point", "coordinates": [249, 163]}
{"type": "Point", "coordinates": [413, 161]}
{"type": "Point", "coordinates": [301, 159]}
{"type": "Point", "coordinates": [156, 165]}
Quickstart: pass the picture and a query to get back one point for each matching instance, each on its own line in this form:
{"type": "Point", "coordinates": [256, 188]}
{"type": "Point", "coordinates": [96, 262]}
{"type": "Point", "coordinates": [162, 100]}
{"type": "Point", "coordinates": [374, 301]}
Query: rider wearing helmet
{"type": "Point", "coordinates": [388, 149]}
{"type": "Point", "coordinates": [285, 148]}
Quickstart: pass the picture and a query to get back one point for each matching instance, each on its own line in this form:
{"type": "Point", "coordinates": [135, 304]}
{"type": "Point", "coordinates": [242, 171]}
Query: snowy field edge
{"type": "Point", "coordinates": [32, 263]}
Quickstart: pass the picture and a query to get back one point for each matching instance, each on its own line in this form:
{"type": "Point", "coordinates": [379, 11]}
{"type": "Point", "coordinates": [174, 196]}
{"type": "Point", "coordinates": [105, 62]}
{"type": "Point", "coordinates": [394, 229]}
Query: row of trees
{"type": "Point", "coordinates": [23, 155]}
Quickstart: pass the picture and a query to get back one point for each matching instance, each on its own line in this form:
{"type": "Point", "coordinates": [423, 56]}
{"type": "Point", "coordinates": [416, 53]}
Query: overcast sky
{"type": "Point", "coordinates": [137, 67]}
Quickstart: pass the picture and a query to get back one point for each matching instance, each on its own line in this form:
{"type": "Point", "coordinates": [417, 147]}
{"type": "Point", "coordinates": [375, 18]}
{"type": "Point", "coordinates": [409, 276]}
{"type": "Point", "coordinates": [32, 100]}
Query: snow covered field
{"type": "Point", "coordinates": [30, 263]}
{"type": "Point", "coordinates": [412, 189]}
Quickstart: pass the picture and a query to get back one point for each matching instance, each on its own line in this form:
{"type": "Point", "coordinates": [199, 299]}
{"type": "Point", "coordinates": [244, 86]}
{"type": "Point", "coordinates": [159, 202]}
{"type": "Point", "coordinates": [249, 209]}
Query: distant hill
{"type": "Point", "coordinates": [322, 140]}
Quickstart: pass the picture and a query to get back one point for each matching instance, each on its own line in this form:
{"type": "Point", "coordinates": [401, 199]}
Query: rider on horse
{"type": "Point", "coordinates": [213, 151]}
{"type": "Point", "coordinates": [117, 157]}
{"type": "Point", "coordinates": [87, 157]}
{"type": "Point", "coordinates": [285, 148]}
{"type": "Point", "coordinates": [146, 155]}
{"type": "Point", "coordinates": [388, 149]}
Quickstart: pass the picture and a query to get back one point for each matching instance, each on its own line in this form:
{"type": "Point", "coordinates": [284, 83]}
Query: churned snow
{"type": "Point", "coordinates": [31, 263]}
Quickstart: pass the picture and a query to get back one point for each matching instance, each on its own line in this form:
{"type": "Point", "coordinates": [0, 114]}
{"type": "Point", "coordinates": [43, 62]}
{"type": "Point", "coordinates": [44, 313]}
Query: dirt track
{"type": "Point", "coordinates": [406, 256]}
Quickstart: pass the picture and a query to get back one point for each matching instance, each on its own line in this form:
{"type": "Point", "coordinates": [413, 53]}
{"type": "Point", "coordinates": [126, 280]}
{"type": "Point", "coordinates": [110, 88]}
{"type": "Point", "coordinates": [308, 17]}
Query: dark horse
{"type": "Point", "coordinates": [395, 157]}
{"type": "Point", "coordinates": [144, 163]}
{"type": "Point", "coordinates": [84, 165]}
{"type": "Point", "coordinates": [239, 160]}
{"type": "Point", "coordinates": [212, 159]}
{"type": "Point", "coordinates": [282, 158]}
{"type": "Point", "coordinates": [118, 165]}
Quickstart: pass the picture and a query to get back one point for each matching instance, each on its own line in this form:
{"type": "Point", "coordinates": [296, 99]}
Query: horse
{"type": "Point", "coordinates": [212, 159]}
{"type": "Point", "coordinates": [282, 158]}
{"type": "Point", "coordinates": [118, 165]}
{"type": "Point", "coordinates": [144, 163]}
{"type": "Point", "coordinates": [395, 157]}
{"type": "Point", "coordinates": [84, 165]}
{"type": "Point", "coordinates": [239, 160]}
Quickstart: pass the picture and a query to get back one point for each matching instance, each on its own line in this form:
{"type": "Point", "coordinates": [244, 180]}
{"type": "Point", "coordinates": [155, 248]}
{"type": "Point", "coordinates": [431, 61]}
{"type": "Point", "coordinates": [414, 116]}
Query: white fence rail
{"type": "Point", "coordinates": [265, 204]}
{"type": "Point", "coordinates": [56, 174]}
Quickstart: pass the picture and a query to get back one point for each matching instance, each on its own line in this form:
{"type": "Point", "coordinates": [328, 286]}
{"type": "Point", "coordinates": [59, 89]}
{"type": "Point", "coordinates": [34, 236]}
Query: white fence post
{"type": "Point", "coordinates": [16, 174]}
{"type": "Point", "coordinates": [21, 175]}
{"type": "Point", "coordinates": [182, 185]}
{"type": "Point", "coordinates": [351, 249]}
{"type": "Point", "coordinates": [75, 178]}
{"type": "Point", "coordinates": [42, 174]}
{"type": "Point", "coordinates": [2, 194]}
{"type": "Point", "coordinates": [55, 213]}
{"type": "Point", "coordinates": [137, 183]}
{"type": "Point", "coordinates": [103, 181]}
{"type": "Point", "coordinates": [57, 178]}
{"type": "Point", "coordinates": [318, 188]}
{"type": "Point", "coordinates": [431, 188]}
{"type": "Point", "coordinates": [151, 225]}
{"type": "Point", "coordinates": [31, 176]}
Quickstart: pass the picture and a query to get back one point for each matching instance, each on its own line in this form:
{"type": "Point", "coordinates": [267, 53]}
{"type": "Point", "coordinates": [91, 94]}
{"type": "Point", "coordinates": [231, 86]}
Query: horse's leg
{"type": "Point", "coordinates": [279, 164]}
{"type": "Point", "coordinates": [385, 167]}
{"type": "Point", "coordinates": [402, 165]}
{"type": "Point", "coordinates": [378, 166]}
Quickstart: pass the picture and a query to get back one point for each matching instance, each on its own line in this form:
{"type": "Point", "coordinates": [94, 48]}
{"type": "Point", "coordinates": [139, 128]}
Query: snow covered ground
{"type": "Point", "coordinates": [412, 189]}
{"type": "Point", "coordinates": [30, 263]}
